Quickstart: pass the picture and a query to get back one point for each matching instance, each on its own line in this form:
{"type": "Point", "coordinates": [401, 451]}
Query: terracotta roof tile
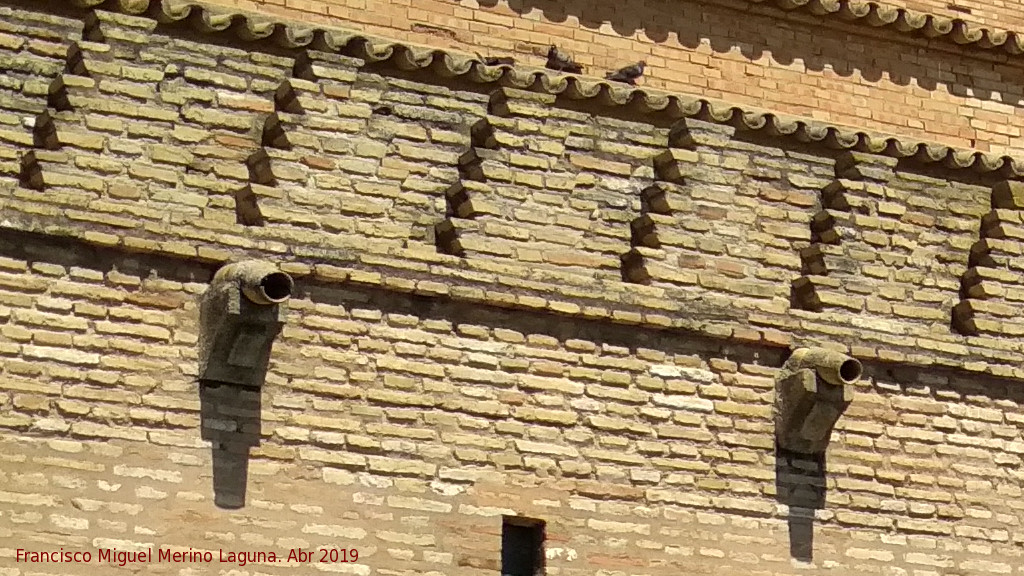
{"type": "Point", "coordinates": [449, 64]}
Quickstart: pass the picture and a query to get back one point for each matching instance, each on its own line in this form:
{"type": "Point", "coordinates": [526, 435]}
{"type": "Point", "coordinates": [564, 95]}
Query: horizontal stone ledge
{"type": "Point", "coordinates": [474, 282]}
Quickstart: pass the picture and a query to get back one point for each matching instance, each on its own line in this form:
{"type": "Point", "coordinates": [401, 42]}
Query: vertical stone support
{"type": "Point", "coordinates": [241, 314]}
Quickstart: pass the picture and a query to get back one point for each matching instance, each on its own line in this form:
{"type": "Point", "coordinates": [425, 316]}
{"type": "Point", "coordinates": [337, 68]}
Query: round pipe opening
{"type": "Point", "coordinates": [277, 287]}
{"type": "Point", "coordinates": [850, 371]}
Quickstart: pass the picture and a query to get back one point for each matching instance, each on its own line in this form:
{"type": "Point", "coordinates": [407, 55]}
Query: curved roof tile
{"type": "Point", "coordinates": [874, 14]}
{"type": "Point", "coordinates": [250, 27]}
{"type": "Point", "coordinates": [903, 20]}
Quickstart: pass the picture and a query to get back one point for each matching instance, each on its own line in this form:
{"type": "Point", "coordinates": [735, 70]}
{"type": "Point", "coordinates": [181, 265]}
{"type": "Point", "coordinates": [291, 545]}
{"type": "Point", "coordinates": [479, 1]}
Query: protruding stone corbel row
{"type": "Point", "coordinates": [319, 81]}
{"type": "Point", "coordinates": [831, 260]}
{"type": "Point", "coordinates": [473, 197]}
{"type": "Point", "coordinates": [992, 289]}
{"type": "Point", "coordinates": [106, 55]}
{"type": "Point", "coordinates": [118, 29]}
{"type": "Point", "coordinates": [333, 73]}
{"type": "Point", "coordinates": [511, 102]}
{"type": "Point", "coordinates": [247, 208]}
{"type": "Point", "coordinates": [109, 54]}
{"type": "Point", "coordinates": [531, 189]}
{"type": "Point", "coordinates": [658, 240]}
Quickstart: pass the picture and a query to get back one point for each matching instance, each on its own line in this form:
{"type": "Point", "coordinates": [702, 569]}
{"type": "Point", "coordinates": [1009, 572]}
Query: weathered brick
{"type": "Point", "coordinates": [436, 393]}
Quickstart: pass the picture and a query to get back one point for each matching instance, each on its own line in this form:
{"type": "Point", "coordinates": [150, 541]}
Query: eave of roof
{"type": "Point", "coordinates": [450, 64]}
{"type": "Point", "coordinates": [861, 12]}
{"type": "Point", "coordinates": [902, 20]}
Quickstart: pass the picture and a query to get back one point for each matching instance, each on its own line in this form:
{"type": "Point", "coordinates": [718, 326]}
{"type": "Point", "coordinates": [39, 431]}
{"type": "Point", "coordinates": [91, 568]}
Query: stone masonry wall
{"type": "Point", "coordinates": [829, 67]}
{"type": "Point", "coordinates": [577, 204]}
{"type": "Point", "coordinates": [403, 428]}
{"type": "Point", "coordinates": [555, 301]}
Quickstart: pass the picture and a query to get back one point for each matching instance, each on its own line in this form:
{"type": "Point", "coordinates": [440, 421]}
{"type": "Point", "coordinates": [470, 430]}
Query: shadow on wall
{"type": "Point", "coordinates": [800, 485]}
{"type": "Point", "coordinates": [230, 417]}
{"type": "Point", "coordinates": [229, 414]}
{"type": "Point", "coordinates": [874, 54]}
{"type": "Point", "coordinates": [241, 314]}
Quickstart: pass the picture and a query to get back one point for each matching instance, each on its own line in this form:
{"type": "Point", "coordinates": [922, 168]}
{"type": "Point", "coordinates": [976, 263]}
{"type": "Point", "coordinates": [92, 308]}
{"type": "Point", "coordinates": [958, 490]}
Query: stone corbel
{"type": "Point", "coordinates": [241, 314]}
{"type": "Point", "coordinates": [813, 389]}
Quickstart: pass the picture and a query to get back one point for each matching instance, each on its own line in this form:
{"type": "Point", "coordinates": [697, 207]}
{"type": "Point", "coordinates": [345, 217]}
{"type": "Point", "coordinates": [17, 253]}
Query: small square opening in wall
{"type": "Point", "coordinates": [522, 546]}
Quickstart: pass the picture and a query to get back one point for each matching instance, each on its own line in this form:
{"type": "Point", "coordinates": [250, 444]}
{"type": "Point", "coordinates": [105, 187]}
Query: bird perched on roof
{"type": "Point", "coordinates": [629, 74]}
{"type": "Point", "coordinates": [496, 60]}
{"type": "Point", "coordinates": [562, 62]}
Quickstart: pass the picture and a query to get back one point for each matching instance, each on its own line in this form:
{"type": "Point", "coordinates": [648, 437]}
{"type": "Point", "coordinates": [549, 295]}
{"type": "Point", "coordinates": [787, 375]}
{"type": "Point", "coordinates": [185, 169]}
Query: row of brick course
{"type": "Point", "coordinates": [169, 164]}
{"type": "Point", "coordinates": [644, 452]}
{"type": "Point", "coordinates": [405, 411]}
{"type": "Point", "coordinates": [858, 75]}
{"type": "Point", "coordinates": [996, 17]}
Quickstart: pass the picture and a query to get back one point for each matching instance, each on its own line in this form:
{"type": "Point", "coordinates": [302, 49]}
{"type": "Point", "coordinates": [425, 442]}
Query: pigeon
{"type": "Point", "coordinates": [562, 62]}
{"type": "Point", "coordinates": [629, 74]}
{"type": "Point", "coordinates": [496, 60]}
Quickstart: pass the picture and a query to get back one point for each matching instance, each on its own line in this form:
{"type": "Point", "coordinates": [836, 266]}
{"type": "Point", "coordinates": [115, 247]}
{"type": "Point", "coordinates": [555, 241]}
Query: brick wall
{"type": "Point", "coordinates": [507, 302]}
{"type": "Point", "coordinates": [399, 15]}
{"type": "Point", "coordinates": [1000, 15]}
{"type": "Point", "coordinates": [856, 75]}
{"type": "Point", "coordinates": [405, 430]}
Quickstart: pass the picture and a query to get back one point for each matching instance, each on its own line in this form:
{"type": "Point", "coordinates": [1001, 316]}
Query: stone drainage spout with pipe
{"type": "Point", "coordinates": [241, 314]}
{"type": "Point", "coordinates": [813, 389]}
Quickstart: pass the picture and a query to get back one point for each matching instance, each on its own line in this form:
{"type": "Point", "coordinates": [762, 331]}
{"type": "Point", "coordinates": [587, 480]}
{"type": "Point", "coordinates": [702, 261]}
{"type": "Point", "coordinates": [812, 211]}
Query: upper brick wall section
{"type": "Point", "coordinates": [1007, 15]}
{"type": "Point", "coordinates": [980, 13]}
{"type": "Point", "coordinates": [572, 197]}
{"type": "Point", "coordinates": [852, 65]}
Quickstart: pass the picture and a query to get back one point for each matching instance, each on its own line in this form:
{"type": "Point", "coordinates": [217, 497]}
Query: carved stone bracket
{"type": "Point", "coordinates": [812, 391]}
{"type": "Point", "coordinates": [241, 314]}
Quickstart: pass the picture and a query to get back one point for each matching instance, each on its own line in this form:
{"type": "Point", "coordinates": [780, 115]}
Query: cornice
{"type": "Point", "coordinates": [904, 21]}
{"type": "Point", "coordinates": [860, 12]}
{"type": "Point", "coordinates": [449, 276]}
{"type": "Point", "coordinates": [448, 64]}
